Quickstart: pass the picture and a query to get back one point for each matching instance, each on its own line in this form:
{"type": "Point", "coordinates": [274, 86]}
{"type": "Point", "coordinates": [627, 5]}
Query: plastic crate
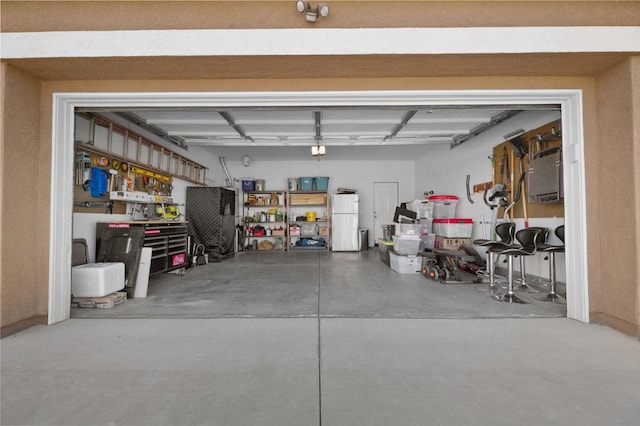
{"type": "Point", "coordinates": [306, 184]}
{"type": "Point", "coordinates": [322, 183]}
{"type": "Point", "coordinates": [405, 264]}
{"type": "Point", "coordinates": [444, 206]}
{"type": "Point", "coordinates": [248, 185]}
{"type": "Point", "coordinates": [407, 245]}
{"type": "Point", "coordinates": [453, 228]}
{"type": "Point", "coordinates": [409, 229]}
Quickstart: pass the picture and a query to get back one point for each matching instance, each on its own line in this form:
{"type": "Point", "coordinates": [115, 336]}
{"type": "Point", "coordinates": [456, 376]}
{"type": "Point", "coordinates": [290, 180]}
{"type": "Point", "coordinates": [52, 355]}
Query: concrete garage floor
{"type": "Point", "coordinates": [307, 284]}
{"type": "Point", "coordinates": [327, 371]}
{"type": "Point", "coordinates": [318, 339]}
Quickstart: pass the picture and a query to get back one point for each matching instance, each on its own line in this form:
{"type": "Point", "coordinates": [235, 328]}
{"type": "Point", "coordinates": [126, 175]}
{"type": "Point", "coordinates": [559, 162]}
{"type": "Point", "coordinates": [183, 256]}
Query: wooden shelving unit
{"type": "Point", "coordinates": [264, 220]}
{"type": "Point", "coordinates": [304, 234]}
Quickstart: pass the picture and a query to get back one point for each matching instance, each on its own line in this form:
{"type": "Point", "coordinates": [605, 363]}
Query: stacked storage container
{"type": "Point", "coordinates": [406, 242]}
{"type": "Point", "coordinates": [451, 232]}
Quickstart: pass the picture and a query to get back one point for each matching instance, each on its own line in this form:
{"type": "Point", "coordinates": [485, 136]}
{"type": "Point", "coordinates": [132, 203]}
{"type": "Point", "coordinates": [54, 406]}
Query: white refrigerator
{"type": "Point", "coordinates": [344, 222]}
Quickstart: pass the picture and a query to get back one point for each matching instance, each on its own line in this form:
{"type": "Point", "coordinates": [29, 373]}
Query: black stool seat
{"type": "Point", "coordinates": [528, 239]}
{"type": "Point", "coordinates": [506, 232]}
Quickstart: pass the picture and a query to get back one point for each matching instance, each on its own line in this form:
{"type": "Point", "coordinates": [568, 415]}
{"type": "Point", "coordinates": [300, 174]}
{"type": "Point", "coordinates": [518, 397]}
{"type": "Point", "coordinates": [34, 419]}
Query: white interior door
{"type": "Point", "coordinates": [385, 201]}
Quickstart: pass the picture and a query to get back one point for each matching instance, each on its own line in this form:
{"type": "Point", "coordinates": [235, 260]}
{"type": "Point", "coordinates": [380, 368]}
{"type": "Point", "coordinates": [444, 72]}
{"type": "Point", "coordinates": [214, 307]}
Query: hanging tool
{"type": "Point", "coordinates": [484, 230]}
{"type": "Point", "coordinates": [520, 150]}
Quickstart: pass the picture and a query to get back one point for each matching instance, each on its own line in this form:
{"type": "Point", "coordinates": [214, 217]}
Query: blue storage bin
{"type": "Point", "coordinates": [322, 183]}
{"type": "Point", "coordinates": [248, 185]}
{"type": "Point", "coordinates": [306, 184]}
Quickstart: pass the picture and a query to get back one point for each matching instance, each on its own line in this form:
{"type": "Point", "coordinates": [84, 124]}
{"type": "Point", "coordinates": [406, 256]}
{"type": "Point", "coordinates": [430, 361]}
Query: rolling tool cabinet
{"type": "Point", "coordinates": [168, 241]}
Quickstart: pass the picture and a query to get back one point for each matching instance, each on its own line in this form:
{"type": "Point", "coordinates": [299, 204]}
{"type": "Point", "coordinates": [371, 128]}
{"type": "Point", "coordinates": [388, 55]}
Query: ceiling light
{"type": "Point", "coordinates": [318, 150]}
{"type": "Point", "coordinates": [246, 160]}
{"type": "Point", "coordinates": [311, 13]}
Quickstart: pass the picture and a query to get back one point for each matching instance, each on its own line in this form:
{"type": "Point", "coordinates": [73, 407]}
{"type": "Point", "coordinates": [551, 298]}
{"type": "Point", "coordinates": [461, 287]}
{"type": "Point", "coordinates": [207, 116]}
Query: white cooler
{"type": "Point", "coordinates": [97, 279]}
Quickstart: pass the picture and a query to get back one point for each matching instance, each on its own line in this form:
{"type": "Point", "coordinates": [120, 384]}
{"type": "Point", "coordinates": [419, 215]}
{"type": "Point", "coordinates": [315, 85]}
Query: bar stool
{"type": "Point", "coordinates": [552, 296]}
{"type": "Point", "coordinates": [506, 232]}
{"type": "Point", "coordinates": [540, 241]}
{"type": "Point", "coordinates": [528, 239]}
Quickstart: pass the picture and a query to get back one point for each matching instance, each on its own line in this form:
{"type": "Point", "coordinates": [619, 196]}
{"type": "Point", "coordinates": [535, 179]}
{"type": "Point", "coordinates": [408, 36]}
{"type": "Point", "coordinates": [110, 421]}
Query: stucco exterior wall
{"type": "Point", "coordinates": [124, 15]}
{"type": "Point", "coordinates": [586, 84]}
{"type": "Point", "coordinates": [618, 197]}
{"type": "Point", "coordinates": [24, 290]}
{"type": "Point", "coordinates": [610, 83]}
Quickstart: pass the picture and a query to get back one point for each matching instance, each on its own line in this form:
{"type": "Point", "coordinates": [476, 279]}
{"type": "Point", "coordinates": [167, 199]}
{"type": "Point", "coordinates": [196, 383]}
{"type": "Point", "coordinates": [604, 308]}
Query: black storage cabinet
{"type": "Point", "coordinates": [211, 213]}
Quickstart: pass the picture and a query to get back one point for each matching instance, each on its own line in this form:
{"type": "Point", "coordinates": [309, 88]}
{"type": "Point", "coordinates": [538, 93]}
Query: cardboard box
{"type": "Point", "coordinates": [450, 243]}
{"type": "Point", "coordinates": [308, 199]}
{"type": "Point", "coordinates": [106, 302]}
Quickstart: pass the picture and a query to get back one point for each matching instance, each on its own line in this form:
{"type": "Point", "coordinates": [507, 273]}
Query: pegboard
{"type": "Point", "coordinates": [506, 169]}
{"type": "Point", "coordinates": [120, 176]}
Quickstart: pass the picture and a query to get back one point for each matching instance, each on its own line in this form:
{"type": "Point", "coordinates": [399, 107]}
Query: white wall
{"type": "Point", "coordinates": [444, 170]}
{"type": "Point", "coordinates": [358, 175]}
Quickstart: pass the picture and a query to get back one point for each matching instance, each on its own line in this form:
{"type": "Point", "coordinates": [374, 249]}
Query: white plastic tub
{"type": "Point", "coordinates": [407, 229]}
{"type": "Point", "coordinates": [453, 228]}
{"type": "Point", "coordinates": [405, 264]}
{"type": "Point", "coordinates": [97, 279]}
{"type": "Point", "coordinates": [444, 206]}
{"type": "Point", "coordinates": [406, 245]}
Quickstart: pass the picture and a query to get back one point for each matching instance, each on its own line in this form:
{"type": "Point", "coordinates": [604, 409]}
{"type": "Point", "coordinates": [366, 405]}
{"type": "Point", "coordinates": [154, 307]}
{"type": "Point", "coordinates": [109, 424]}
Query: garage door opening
{"type": "Point", "coordinates": [570, 102]}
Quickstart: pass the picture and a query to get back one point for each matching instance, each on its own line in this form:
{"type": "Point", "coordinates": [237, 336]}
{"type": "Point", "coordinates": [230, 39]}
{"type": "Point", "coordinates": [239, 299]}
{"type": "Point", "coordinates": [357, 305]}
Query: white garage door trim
{"type": "Point", "coordinates": [319, 41]}
{"type": "Point", "coordinates": [63, 140]}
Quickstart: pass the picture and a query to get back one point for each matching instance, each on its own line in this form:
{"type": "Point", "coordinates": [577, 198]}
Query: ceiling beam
{"type": "Point", "coordinates": [235, 127]}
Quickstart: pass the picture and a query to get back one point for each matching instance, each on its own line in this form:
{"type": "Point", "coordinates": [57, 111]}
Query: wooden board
{"type": "Point", "coordinates": [505, 160]}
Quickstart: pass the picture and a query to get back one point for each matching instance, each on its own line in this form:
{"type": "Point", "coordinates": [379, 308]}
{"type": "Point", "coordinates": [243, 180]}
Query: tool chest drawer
{"type": "Point", "coordinates": [168, 241]}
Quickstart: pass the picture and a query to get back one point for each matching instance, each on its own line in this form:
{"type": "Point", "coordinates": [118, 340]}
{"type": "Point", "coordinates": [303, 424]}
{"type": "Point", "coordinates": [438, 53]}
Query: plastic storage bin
{"type": "Point", "coordinates": [444, 206]}
{"type": "Point", "coordinates": [97, 279]}
{"type": "Point", "coordinates": [427, 242]}
{"type": "Point", "coordinates": [453, 228]}
{"type": "Point", "coordinates": [410, 229]}
{"type": "Point", "coordinates": [426, 226]}
{"type": "Point", "coordinates": [322, 183]}
{"type": "Point", "coordinates": [248, 185]}
{"type": "Point", "coordinates": [407, 245]}
{"type": "Point", "coordinates": [405, 264]}
{"type": "Point", "coordinates": [306, 184]}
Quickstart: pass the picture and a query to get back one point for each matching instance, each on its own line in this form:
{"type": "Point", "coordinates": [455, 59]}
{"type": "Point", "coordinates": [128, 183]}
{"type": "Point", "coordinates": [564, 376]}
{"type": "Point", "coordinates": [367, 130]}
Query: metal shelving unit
{"type": "Point", "coordinates": [264, 220]}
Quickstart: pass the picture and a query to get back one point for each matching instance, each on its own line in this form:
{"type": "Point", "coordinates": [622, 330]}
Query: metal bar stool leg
{"type": "Point", "coordinates": [509, 297]}
{"type": "Point", "coordinates": [552, 296]}
{"type": "Point", "coordinates": [524, 287]}
{"type": "Point", "coordinates": [493, 287]}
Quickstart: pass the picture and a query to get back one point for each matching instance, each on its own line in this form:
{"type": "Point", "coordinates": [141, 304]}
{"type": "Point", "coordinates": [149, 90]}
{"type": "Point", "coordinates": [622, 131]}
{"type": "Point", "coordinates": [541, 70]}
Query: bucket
{"type": "Point", "coordinates": [292, 184]}
{"type": "Point", "coordinates": [259, 184]}
{"type": "Point", "coordinates": [388, 231]}
{"type": "Point", "coordinates": [311, 216]}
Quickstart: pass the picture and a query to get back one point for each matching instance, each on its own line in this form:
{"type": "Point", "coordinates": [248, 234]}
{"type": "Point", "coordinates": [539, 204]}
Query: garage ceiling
{"type": "Point", "coordinates": [356, 133]}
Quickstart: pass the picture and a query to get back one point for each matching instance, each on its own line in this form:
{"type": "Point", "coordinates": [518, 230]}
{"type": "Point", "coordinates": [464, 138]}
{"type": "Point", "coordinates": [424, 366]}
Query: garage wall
{"type": "Point", "coordinates": [24, 286]}
{"type": "Point", "coordinates": [359, 175]}
{"type": "Point", "coordinates": [618, 197]}
{"type": "Point", "coordinates": [594, 174]}
{"type": "Point", "coordinates": [444, 171]}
